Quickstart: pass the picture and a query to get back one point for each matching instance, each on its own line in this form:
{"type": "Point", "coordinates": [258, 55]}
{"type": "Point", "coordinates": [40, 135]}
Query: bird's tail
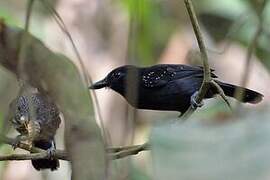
{"type": "Point", "coordinates": [248, 96]}
{"type": "Point", "coordinates": [52, 164]}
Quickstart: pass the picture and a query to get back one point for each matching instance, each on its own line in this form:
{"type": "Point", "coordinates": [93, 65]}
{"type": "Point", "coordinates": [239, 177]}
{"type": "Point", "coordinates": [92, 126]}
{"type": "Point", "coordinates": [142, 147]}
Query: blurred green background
{"type": "Point", "coordinates": [157, 31]}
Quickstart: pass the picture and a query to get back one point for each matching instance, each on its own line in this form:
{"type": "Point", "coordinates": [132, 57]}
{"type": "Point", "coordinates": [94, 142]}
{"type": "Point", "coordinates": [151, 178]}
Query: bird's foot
{"type": "Point", "coordinates": [51, 153]}
{"type": "Point", "coordinates": [17, 141]}
{"type": "Point", "coordinates": [193, 101]}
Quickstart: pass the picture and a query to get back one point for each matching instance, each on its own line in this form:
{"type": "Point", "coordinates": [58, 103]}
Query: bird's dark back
{"type": "Point", "coordinates": [164, 87]}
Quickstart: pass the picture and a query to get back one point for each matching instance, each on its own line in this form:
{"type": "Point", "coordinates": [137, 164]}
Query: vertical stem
{"type": "Point", "coordinates": [251, 48]}
{"type": "Point", "coordinates": [199, 37]}
{"type": "Point", "coordinates": [30, 4]}
{"type": "Point", "coordinates": [207, 73]}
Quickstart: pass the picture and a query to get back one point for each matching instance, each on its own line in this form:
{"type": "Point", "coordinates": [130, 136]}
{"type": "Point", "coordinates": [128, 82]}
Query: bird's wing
{"type": "Point", "coordinates": [160, 75]}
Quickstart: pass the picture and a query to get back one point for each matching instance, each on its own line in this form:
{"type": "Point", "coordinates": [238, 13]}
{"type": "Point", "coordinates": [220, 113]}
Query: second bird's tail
{"type": "Point", "coordinates": [39, 164]}
{"type": "Point", "coordinates": [248, 96]}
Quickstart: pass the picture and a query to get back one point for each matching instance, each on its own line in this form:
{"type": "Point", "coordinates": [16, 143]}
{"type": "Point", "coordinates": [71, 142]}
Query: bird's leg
{"type": "Point", "coordinates": [193, 101]}
{"type": "Point", "coordinates": [52, 151]}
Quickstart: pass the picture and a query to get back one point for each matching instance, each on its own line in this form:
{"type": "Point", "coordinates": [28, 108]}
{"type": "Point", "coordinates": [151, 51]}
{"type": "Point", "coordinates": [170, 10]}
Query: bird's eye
{"type": "Point", "coordinates": [117, 75]}
{"type": "Point", "coordinates": [22, 118]}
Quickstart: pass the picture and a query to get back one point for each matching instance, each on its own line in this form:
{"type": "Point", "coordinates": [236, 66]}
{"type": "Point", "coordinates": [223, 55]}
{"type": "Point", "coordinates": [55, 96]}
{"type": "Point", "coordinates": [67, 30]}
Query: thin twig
{"type": "Point", "coordinates": [124, 148]}
{"type": "Point", "coordinates": [233, 29]}
{"type": "Point", "coordinates": [60, 154]}
{"type": "Point", "coordinates": [200, 41]}
{"type": "Point", "coordinates": [23, 38]}
{"type": "Point", "coordinates": [34, 156]}
{"type": "Point", "coordinates": [221, 93]}
{"type": "Point", "coordinates": [21, 157]}
{"type": "Point", "coordinates": [207, 73]}
{"type": "Point", "coordinates": [86, 76]}
{"type": "Point", "coordinates": [251, 48]}
{"type": "Point", "coordinates": [131, 151]}
{"type": "Point", "coordinates": [207, 79]}
{"type": "Point", "coordinates": [37, 153]}
{"type": "Point", "coordinates": [30, 4]}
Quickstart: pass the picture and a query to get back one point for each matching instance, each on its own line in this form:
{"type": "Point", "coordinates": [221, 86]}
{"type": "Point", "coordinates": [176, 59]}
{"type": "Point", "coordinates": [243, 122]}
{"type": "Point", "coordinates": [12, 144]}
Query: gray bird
{"type": "Point", "coordinates": [36, 118]}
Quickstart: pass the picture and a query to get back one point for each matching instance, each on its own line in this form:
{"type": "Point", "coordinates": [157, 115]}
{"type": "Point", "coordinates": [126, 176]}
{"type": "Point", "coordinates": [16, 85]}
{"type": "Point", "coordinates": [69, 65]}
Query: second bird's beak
{"type": "Point", "coordinates": [100, 84]}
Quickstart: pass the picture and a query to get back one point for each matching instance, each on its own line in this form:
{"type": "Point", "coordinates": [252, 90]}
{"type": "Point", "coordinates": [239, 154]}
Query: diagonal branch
{"type": "Point", "coordinates": [221, 93]}
{"type": "Point", "coordinates": [130, 150]}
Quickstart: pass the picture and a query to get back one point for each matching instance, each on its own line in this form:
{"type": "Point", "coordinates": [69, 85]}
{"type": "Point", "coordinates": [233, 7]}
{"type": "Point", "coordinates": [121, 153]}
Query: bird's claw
{"type": "Point", "coordinates": [15, 143]}
{"type": "Point", "coordinates": [193, 101]}
{"type": "Point", "coordinates": [51, 153]}
{"type": "Point", "coordinates": [19, 139]}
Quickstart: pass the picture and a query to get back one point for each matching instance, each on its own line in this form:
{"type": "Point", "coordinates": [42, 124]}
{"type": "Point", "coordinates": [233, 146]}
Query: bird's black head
{"type": "Point", "coordinates": [116, 79]}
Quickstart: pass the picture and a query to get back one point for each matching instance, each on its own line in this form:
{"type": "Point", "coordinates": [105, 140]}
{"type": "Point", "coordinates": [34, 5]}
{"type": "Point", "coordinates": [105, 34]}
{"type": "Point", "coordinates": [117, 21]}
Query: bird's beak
{"type": "Point", "coordinates": [100, 84]}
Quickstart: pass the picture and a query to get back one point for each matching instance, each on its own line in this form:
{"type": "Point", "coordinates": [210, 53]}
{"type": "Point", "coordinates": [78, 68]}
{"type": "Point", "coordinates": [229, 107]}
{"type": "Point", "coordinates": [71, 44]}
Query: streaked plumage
{"type": "Point", "coordinates": [36, 118]}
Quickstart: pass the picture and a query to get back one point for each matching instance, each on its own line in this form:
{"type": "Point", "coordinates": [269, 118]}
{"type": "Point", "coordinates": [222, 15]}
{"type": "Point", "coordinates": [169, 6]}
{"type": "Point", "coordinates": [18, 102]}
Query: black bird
{"type": "Point", "coordinates": [166, 86]}
{"type": "Point", "coordinates": [36, 118]}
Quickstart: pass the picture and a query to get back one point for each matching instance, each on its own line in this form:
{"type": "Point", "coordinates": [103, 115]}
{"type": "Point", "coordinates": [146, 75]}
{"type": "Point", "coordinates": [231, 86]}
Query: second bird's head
{"type": "Point", "coordinates": [118, 78]}
{"type": "Point", "coordinates": [21, 110]}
